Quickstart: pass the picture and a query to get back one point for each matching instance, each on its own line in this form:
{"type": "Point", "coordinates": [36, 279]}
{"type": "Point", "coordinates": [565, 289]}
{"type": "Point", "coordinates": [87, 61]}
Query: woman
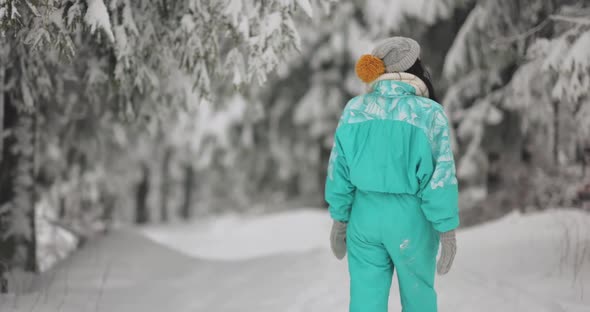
{"type": "Point", "coordinates": [391, 182]}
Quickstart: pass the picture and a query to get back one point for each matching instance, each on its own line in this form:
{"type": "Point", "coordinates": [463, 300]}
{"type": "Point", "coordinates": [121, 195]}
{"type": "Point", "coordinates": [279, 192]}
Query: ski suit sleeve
{"type": "Point", "coordinates": [438, 183]}
{"type": "Point", "coordinates": [339, 191]}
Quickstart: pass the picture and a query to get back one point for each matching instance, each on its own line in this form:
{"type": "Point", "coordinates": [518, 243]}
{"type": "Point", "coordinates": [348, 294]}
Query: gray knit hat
{"type": "Point", "coordinates": [398, 53]}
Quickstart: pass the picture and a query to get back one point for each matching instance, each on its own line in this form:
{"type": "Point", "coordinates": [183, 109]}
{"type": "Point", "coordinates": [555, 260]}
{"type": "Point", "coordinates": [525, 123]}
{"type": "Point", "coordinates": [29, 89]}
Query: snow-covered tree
{"type": "Point", "coordinates": [519, 78]}
{"type": "Point", "coordinates": [76, 72]}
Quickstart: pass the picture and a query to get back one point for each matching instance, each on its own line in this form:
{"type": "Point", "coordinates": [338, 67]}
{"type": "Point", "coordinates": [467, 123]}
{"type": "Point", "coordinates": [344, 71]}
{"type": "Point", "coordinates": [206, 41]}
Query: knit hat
{"type": "Point", "coordinates": [391, 55]}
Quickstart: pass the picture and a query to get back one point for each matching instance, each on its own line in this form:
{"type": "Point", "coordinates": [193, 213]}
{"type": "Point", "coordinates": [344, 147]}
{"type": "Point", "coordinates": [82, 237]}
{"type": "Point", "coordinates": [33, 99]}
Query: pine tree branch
{"type": "Point", "coordinates": [521, 36]}
{"type": "Point", "coordinates": [571, 19]}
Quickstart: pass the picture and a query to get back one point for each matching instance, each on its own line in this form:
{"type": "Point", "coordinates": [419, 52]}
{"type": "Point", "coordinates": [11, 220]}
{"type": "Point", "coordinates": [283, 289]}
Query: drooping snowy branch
{"type": "Point", "coordinates": [97, 17]}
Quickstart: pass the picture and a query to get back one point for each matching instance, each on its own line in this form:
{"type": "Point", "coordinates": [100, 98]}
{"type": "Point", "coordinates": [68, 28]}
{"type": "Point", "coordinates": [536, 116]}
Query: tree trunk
{"type": "Point", "coordinates": [17, 197]}
{"type": "Point", "coordinates": [3, 279]}
{"type": "Point", "coordinates": [109, 203]}
{"type": "Point", "coordinates": [324, 159]}
{"type": "Point", "coordinates": [141, 209]}
{"type": "Point", "coordinates": [7, 179]}
{"type": "Point", "coordinates": [556, 132]}
{"type": "Point", "coordinates": [165, 187]}
{"type": "Point", "coordinates": [31, 264]}
{"type": "Point", "coordinates": [23, 202]}
{"type": "Point", "coordinates": [189, 183]}
{"type": "Point", "coordinates": [2, 96]}
{"type": "Point", "coordinates": [5, 245]}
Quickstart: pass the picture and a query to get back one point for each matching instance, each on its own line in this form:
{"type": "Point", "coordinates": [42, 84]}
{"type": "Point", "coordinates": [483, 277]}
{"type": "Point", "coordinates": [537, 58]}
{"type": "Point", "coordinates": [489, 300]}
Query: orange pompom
{"type": "Point", "coordinates": [369, 68]}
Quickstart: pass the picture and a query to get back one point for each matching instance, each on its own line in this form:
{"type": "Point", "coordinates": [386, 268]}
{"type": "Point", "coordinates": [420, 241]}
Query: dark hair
{"type": "Point", "coordinates": [420, 71]}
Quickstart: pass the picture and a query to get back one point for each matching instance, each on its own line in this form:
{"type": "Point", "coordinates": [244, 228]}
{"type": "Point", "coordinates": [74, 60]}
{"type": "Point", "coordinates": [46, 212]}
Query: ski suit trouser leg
{"type": "Point", "coordinates": [387, 230]}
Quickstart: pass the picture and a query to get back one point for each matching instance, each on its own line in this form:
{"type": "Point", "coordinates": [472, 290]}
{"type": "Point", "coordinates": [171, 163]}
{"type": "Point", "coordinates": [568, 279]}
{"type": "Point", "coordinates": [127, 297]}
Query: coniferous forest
{"type": "Point", "coordinates": [120, 112]}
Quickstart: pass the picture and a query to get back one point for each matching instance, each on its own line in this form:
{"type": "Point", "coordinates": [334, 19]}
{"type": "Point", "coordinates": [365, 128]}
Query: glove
{"type": "Point", "coordinates": [448, 244]}
{"type": "Point", "coordinates": [338, 239]}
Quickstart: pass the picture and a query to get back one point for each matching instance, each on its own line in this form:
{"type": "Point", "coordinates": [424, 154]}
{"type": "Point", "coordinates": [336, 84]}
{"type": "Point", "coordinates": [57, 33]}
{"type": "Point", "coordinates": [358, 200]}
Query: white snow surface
{"type": "Point", "coordinates": [235, 237]}
{"type": "Point", "coordinates": [281, 262]}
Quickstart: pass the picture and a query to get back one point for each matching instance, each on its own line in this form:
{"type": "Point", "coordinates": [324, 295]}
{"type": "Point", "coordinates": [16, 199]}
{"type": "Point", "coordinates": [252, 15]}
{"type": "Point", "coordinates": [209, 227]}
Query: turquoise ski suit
{"type": "Point", "coordinates": [391, 177]}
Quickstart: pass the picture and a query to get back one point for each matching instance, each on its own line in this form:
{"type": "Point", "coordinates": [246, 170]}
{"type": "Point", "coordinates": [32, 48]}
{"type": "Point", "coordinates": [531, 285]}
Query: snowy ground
{"type": "Point", "coordinates": [282, 263]}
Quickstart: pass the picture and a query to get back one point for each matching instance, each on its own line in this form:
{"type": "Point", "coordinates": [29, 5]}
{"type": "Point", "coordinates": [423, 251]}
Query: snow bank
{"type": "Point", "coordinates": [533, 262]}
{"type": "Point", "coordinates": [235, 237]}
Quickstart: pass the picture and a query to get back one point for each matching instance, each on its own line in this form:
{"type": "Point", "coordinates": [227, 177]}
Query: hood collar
{"type": "Point", "coordinates": [396, 84]}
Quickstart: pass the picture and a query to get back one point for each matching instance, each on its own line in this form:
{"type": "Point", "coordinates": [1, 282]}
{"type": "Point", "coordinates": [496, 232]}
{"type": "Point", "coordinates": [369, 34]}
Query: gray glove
{"type": "Point", "coordinates": [338, 239]}
{"type": "Point", "coordinates": [448, 244]}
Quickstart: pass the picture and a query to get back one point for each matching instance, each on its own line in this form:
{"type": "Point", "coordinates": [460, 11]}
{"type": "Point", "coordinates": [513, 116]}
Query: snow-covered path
{"type": "Point", "coordinates": [282, 263]}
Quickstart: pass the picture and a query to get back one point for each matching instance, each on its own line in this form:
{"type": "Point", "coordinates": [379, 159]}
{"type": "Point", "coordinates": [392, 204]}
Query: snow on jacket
{"type": "Point", "coordinates": [392, 140]}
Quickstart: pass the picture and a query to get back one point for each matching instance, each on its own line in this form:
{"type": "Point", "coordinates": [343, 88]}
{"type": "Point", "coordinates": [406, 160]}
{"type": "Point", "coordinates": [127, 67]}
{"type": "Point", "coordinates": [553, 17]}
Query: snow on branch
{"type": "Point", "coordinates": [571, 19]}
{"type": "Point", "coordinates": [392, 14]}
{"type": "Point", "coordinates": [8, 10]}
{"type": "Point", "coordinates": [574, 71]}
{"type": "Point", "coordinates": [305, 5]}
{"type": "Point", "coordinates": [97, 16]}
{"type": "Point", "coordinates": [521, 36]}
{"type": "Point", "coordinates": [461, 55]}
